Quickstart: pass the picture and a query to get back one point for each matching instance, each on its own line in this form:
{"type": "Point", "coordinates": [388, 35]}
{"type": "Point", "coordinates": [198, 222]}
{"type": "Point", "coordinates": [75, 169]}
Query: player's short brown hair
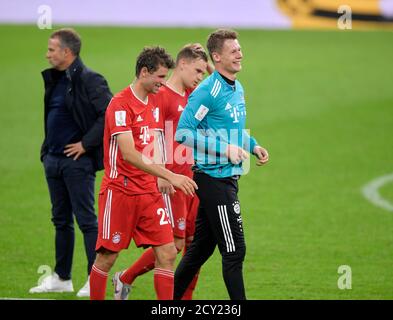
{"type": "Point", "coordinates": [191, 52]}
{"type": "Point", "coordinates": [217, 38]}
{"type": "Point", "coordinates": [152, 58]}
{"type": "Point", "coordinates": [68, 38]}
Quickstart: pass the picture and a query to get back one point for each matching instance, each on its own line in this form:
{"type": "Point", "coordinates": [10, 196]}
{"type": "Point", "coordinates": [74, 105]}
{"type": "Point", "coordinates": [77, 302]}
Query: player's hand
{"type": "Point", "coordinates": [74, 149]}
{"type": "Point", "coordinates": [236, 154]}
{"type": "Point", "coordinates": [261, 154]}
{"type": "Point", "coordinates": [185, 184]}
{"type": "Point", "coordinates": [165, 187]}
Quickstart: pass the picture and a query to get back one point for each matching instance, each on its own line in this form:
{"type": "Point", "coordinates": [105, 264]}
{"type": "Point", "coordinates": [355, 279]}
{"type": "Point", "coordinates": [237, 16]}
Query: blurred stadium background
{"type": "Point", "coordinates": [319, 98]}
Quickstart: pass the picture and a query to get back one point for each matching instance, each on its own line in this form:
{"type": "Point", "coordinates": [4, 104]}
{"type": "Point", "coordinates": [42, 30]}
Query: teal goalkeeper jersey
{"type": "Point", "coordinates": [214, 117]}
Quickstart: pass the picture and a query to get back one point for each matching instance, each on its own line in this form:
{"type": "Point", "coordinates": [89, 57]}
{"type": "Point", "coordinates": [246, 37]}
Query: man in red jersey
{"type": "Point", "coordinates": [130, 206]}
{"type": "Point", "coordinates": [191, 64]}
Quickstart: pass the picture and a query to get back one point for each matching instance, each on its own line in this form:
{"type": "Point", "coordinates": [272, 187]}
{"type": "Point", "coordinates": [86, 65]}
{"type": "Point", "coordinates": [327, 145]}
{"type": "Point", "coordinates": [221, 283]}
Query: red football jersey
{"type": "Point", "coordinates": [171, 104]}
{"type": "Point", "coordinates": [127, 113]}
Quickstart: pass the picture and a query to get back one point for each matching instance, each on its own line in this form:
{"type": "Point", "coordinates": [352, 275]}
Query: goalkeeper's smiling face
{"type": "Point", "coordinates": [231, 56]}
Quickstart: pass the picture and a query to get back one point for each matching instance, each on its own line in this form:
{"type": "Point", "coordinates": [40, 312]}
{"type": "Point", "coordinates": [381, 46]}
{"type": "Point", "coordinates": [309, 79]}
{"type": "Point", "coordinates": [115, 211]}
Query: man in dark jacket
{"type": "Point", "coordinates": [75, 102]}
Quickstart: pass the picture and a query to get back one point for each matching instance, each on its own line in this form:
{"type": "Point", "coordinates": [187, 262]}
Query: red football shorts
{"type": "Point", "coordinates": [182, 210]}
{"type": "Point", "coordinates": [123, 217]}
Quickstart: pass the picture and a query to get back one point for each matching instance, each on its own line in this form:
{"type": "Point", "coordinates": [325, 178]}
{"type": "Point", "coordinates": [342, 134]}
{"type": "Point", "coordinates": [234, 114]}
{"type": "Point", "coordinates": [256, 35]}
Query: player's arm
{"type": "Point", "coordinates": [132, 156]}
{"type": "Point", "coordinates": [198, 106]}
{"type": "Point", "coordinates": [251, 145]}
{"type": "Point", "coordinates": [160, 158]}
{"type": "Point", "coordinates": [187, 132]}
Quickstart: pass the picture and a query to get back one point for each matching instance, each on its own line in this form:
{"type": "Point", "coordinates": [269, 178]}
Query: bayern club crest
{"type": "Point", "coordinates": [181, 224]}
{"type": "Point", "coordinates": [116, 237]}
{"type": "Point", "coordinates": [236, 207]}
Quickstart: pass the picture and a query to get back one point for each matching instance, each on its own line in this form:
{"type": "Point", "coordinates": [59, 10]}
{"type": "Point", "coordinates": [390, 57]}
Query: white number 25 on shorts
{"type": "Point", "coordinates": [164, 217]}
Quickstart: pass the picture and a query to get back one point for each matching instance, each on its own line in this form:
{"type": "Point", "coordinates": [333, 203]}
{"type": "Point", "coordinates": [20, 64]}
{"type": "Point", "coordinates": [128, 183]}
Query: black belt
{"type": "Point", "coordinates": [195, 169]}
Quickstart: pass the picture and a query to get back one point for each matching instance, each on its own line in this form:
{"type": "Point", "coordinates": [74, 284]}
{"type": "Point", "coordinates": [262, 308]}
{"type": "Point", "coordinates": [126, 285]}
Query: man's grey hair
{"type": "Point", "coordinates": [68, 38]}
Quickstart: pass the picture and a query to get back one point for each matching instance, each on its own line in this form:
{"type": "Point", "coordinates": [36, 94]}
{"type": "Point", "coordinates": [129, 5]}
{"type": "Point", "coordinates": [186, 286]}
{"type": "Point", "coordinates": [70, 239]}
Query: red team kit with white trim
{"type": "Point", "coordinates": [129, 202]}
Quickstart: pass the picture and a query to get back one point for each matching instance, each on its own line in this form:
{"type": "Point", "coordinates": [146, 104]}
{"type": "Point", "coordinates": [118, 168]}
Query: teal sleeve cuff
{"type": "Point", "coordinates": [253, 143]}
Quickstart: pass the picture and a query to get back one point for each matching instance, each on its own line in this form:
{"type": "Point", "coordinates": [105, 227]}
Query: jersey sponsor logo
{"type": "Point", "coordinates": [180, 108]}
{"type": "Point", "coordinates": [234, 111]}
{"type": "Point", "coordinates": [120, 117]}
{"type": "Point", "coordinates": [235, 115]}
{"type": "Point", "coordinates": [201, 113]}
{"type": "Point", "coordinates": [144, 134]}
{"type": "Point", "coordinates": [139, 119]}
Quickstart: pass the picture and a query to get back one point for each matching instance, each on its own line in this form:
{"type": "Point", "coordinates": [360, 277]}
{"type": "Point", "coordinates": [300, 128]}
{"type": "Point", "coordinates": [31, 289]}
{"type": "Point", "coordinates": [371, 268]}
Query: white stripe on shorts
{"type": "Point", "coordinates": [106, 226]}
{"type": "Point", "coordinates": [226, 228]}
{"type": "Point", "coordinates": [168, 205]}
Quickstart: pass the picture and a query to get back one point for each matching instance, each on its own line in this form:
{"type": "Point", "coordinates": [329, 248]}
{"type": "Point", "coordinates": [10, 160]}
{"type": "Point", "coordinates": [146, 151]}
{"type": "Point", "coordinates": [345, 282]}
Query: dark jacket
{"type": "Point", "coordinates": [87, 98]}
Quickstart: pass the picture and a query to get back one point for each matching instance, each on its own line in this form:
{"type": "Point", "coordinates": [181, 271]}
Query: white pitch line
{"type": "Point", "coordinates": [370, 192]}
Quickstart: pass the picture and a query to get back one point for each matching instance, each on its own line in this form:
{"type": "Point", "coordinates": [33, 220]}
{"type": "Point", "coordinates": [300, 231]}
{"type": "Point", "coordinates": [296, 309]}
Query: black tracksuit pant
{"type": "Point", "coordinates": [219, 223]}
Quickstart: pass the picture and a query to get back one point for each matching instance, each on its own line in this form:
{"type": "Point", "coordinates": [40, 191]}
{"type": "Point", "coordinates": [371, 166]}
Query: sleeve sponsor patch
{"type": "Point", "coordinates": [120, 117]}
{"type": "Point", "coordinates": [201, 113]}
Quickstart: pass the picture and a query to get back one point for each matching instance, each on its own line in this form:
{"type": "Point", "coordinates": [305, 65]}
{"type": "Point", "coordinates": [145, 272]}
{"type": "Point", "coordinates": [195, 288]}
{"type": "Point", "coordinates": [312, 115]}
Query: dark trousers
{"type": "Point", "coordinates": [71, 188]}
{"type": "Point", "coordinates": [219, 223]}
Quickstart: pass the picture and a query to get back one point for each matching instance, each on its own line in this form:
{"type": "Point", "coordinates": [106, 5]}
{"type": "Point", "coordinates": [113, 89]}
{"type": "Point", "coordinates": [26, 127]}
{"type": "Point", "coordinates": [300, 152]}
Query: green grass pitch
{"type": "Point", "coordinates": [322, 104]}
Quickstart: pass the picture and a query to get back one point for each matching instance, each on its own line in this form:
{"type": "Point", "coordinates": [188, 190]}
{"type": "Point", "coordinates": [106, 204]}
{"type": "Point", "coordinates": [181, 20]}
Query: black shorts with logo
{"type": "Point", "coordinates": [218, 222]}
{"type": "Point", "coordinates": [219, 210]}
